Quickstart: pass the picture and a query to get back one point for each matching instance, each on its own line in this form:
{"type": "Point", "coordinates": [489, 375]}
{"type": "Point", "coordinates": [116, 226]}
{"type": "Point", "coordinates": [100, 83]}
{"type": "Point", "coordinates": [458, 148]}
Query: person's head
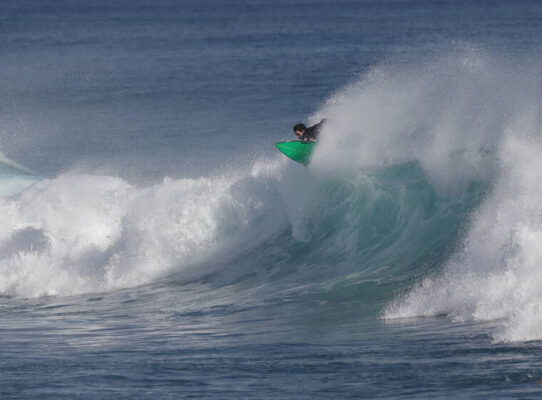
{"type": "Point", "coordinates": [299, 129]}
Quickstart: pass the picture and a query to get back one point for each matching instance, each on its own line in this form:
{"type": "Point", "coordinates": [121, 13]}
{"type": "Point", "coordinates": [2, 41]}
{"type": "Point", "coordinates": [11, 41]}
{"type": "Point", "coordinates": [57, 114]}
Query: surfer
{"type": "Point", "coordinates": [311, 133]}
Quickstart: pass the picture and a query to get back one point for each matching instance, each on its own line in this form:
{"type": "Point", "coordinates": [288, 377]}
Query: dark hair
{"type": "Point", "coordinates": [300, 127]}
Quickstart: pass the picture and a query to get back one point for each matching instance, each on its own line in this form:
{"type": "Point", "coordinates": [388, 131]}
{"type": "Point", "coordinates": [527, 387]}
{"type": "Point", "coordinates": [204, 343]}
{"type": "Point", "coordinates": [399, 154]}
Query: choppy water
{"type": "Point", "coordinates": [155, 244]}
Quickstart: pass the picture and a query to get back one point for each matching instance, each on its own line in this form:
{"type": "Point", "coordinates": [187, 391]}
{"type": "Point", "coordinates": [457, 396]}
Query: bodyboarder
{"type": "Point", "coordinates": [310, 133]}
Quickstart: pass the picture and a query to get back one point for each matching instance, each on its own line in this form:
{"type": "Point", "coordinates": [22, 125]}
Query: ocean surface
{"type": "Point", "coordinates": [155, 244]}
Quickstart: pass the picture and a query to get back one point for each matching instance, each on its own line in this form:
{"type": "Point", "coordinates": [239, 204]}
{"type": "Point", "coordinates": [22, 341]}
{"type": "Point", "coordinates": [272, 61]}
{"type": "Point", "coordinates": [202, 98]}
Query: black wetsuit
{"type": "Point", "coordinates": [312, 132]}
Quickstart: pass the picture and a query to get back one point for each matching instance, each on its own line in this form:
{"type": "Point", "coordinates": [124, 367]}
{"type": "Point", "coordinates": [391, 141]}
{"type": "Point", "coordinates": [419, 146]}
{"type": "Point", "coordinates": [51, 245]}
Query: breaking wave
{"type": "Point", "coordinates": [426, 181]}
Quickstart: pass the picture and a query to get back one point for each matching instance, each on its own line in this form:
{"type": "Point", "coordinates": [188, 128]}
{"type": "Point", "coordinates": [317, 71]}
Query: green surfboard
{"type": "Point", "coordinates": [297, 150]}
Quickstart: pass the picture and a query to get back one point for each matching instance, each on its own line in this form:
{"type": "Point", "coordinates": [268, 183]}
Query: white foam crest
{"type": "Point", "coordinates": [81, 233]}
{"type": "Point", "coordinates": [498, 274]}
{"type": "Point", "coordinates": [448, 114]}
{"type": "Point", "coordinates": [464, 117]}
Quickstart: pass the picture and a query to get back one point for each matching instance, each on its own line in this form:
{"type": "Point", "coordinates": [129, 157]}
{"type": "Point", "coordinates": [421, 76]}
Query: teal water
{"type": "Point", "coordinates": [155, 243]}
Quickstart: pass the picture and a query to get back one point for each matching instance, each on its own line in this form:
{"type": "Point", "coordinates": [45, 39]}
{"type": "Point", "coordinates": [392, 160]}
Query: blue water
{"type": "Point", "coordinates": [154, 244]}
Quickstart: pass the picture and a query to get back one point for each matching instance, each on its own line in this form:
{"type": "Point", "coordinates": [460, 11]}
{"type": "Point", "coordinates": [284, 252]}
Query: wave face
{"type": "Point", "coordinates": [496, 276]}
{"type": "Point", "coordinates": [78, 233]}
{"type": "Point", "coordinates": [425, 182]}
{"type": "Point", "coordinates": [468, 117]}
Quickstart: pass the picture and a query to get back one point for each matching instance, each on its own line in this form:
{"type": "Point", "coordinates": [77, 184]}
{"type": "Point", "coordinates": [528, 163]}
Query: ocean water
{"type": "Point", "coordinates": [154, 244]}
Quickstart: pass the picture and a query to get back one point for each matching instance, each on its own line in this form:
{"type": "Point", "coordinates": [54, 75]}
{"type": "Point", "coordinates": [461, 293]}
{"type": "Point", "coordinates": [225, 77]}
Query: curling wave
{"type": "Point", "coordinates": [467, 117]}
{"type": "Point", "coordinates": [426, 180]}
{"type": "Point", "coordinates": [81, 233]}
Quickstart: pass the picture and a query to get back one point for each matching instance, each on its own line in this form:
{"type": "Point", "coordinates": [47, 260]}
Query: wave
{"type": "Point", "coordinates": [481, 121]}
{"type": "Point", "coordinates": [80, 233]}
{"type": "Point", "coordinates": [496, 274]}
{"type": "Point", "coordinates": [425, 182]}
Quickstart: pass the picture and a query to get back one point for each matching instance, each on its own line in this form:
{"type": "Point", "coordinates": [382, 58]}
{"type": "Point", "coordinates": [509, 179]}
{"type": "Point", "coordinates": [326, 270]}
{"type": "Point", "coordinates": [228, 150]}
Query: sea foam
{"type": "Point", "coordinates": [467, 117]}
{"type": "Point", "coordinates": [82, 233]}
